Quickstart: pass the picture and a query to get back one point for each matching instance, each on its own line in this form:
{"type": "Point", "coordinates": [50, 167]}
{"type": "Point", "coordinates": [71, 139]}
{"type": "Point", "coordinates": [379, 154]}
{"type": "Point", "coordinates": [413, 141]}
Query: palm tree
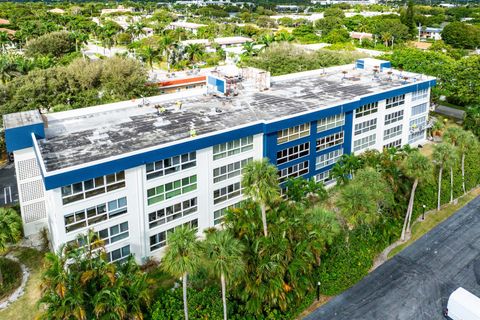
{"type": "Point", "coordinates": [224, 254]}
{"type": "Point", "coordinates": [386, 37]}
{"type": "Point", "coordinates": [416, 166]}
{"type": "Point", "coordinates": [463, 140]}
{"type": "Point", "coordinates": [194, 52]}
{"type": "Point", "coordinates": [80, 39]}
{"type": "Point", "coordinates": [260, 182]}
{"type": "Point", "coordinates": [10, 230]}
{"type": "Point", "coordinates": [167, 45]}
{"type": "Point", "coordinates": [444, 156]}
{"type": "Point", "coordinates": [149, 54]}
{"type": "Point", "coordinates": [182, 257]}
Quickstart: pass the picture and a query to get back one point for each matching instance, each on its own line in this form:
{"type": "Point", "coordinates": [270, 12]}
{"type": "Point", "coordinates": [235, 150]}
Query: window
{"type": "Point", "coordinates": [293, 171]}
{"type": "Point", "coordinates": [95, 214]}
{"type": "Point", "coordinates": [418, 124]}
{"type": "Point", "coordinates": [90, 188]}
{"type": "Point", "coordinates": [171, 189]}
{"type": "Point", "coordinates": [364, 142]}
{"type": "Point", "coordinates": [420, 94]}
{"type": "Point", "coordinates": [293, 133]}
{"type": "Point", "coordinates": [365, 126]}
{"type": "Point", "coordinates": [330, 141]}
{"type": "Point", "coordinates": [293, 153]}
{"type": "Point", "coordinates": [114, 233]}
{"type": "Point", "coordinates": [159, 240]}
{"type": "Point", "coordinates": [366, 109]}
{"type": "Point", "coordinates": [219, 214]}
{"type": "Point", "coordinates": [229, 171]}
{"type": "Point", "coordinates": [392, 132]}
{"type": "Point", "coordinates": [393, 117]}
{"type": "Point", "coordinates": [395, 101]}
{"type": "Point", "coordinates": [330, 122]}
{"type": "Point", "coordinates": [328, 159]}
{"type": "Point", "coordinates": [416, 136]}
{"type": "Point", "coordinates": [230, 148]}
{"type": "Point", "coordinates": [325, 178]}
{"type": "Point", "coordinates": [172, 212]}
{"type": "Point", "coordinates": [394, 144]}
{"type": "Point", "coordinates": [419, 109]}
{"type": "Point", "coordinates": [226, 193]}
{"type": "Point", "coordinates": [171, 165]}
{"type": "Point", "coordinates": [119, 255]}
{"type": "Point", "coordinates": [417, 129]}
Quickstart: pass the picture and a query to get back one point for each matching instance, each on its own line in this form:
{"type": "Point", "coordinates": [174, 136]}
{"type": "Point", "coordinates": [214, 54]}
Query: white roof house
{"type": "Point", "coordinates": [189, 26]}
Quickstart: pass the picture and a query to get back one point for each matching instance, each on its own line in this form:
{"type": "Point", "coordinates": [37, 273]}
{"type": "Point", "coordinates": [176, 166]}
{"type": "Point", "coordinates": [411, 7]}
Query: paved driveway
{"type": "Point", "coordinates": [8, 185]}
{"type": "Point", "coordinates": [416, 283]}
{"type": "Point", "coordinates": [451, 112]}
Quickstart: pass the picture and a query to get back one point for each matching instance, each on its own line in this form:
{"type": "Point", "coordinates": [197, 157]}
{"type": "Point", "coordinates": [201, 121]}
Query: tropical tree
{"type": "Point", "coordinates": [463, 140]}
{"type": "Point", "coordinates": [182, 257]}
{"type": "Point", "coordinates": [260, 182]}
{"type": "Point", "coordinates": [4, 40]}
{"type": "Point", "coordinates": [194, 52]}
{"type": "Point", "coordinates": [149, 54]}
{"type": "Point", "coordinates": [168, 46]}
{"type": "Point", "coordinates": [284, 36]}
{"type": "Point", "coordinates": [305, 191]}
{"type": "Point", "coordinates": [10, 230]}
{"type": "Point", "coordinates": [364, 199]}
{"type": "Point", "coordinates": [266, 39]}
{"type": "Point", "coordinates": [81, 283]}
{"type": "Point", "coordinates": [80, 38]}
{"type": "Point", "coordinates": [466, 142]}
{"type": "Point", "coordinates": [471, 120]}
{"type": "Point", "coordinates": [249, 49]}
{"type": "Point", "coordinates": [386, 37]}
{"type": "Point", "coordinates": [224, 258]}
{"type": "Point", "coordinates": [444, 155]}
{"type": "Point", "coordinates": [417, 167]}
{"type": "Point", "coordinates": [346, 167]}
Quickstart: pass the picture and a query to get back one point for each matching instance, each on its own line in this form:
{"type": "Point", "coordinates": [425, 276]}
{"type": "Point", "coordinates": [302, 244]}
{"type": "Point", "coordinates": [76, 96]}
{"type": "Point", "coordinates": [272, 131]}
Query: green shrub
{"type": "Point", "coordinates": [12, 276]}
{"type": "Point", "coordinates": [351, 255]}
{"type": "Point", "coordinates": [202, 304]}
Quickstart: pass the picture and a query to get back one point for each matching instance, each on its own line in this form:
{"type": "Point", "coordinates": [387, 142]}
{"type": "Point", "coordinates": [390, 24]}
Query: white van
{"type": "Point", "coordinates": [463, 305]}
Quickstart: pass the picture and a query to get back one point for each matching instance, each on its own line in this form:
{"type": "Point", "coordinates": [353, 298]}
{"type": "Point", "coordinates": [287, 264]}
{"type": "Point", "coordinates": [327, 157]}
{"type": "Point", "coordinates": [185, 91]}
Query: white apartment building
{"type": "Point", "coordinates": [135, 170]}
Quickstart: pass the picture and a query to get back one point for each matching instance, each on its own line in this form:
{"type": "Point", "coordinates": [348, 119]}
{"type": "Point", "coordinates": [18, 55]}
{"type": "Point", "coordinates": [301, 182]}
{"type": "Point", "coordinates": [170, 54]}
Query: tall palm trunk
{"type": "Point", "coordinates": [409, 209]}
{"type": "Point", "coordinates": [1, 277]}
{"type": "Point", "coordinates": [451, 184]}
{"type": "Point", "coordinates": [439, 186]}
{"type": "Point", "coordinates": [463, 173]}
{"type": "Point", "coordinates": [264, 219]}
{"type": "Point", "coordinates": [224, 298]}
{"type": "Point", "coordinates": [185, 305]}
{"type": "Point", "coordinates": [410, 203]}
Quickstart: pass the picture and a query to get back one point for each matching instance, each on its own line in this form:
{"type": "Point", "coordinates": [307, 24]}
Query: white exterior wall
{"type": "Point", "coordinates": [31, 192]}
{"type": "Point", "coordinates": [381, 127]}
{"type": "Point", "coordinates": [135, 190]}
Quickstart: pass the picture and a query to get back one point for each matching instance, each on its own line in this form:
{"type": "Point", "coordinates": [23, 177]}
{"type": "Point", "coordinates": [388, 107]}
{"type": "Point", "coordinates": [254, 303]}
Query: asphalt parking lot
{"type": "Point", "coordinates": [8, 185]}
{"type": "Point", "coordinates": [417, 282]}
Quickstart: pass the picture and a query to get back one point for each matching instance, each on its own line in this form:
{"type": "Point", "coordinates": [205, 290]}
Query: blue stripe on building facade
{"type": "Point", "coordinates": [270, 146]}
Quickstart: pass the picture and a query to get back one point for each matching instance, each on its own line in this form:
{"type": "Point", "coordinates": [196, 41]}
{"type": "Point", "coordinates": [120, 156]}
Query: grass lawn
{"type": "Point", "coordinates": [432, 219]}
{"type": "Point", "coordinates": [12, 276]}
{"type": "Point", "coordinates": [25, 307]}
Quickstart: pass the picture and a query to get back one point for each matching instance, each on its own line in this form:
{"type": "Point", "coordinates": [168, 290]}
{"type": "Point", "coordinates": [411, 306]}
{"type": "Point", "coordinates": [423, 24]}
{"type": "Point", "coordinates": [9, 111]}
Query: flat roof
{"type": "Point", "coordinates": [98, 133]}
{"type": "Point", "coordinates": [21, 119]}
